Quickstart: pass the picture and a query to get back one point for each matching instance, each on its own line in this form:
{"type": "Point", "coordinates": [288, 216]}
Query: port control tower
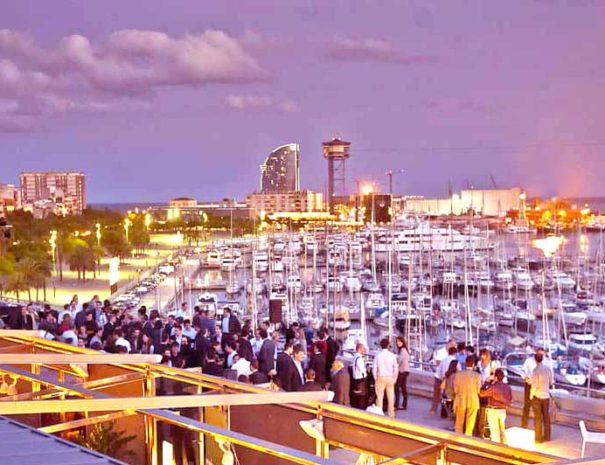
{"type": "Point", "coordinates": [336, 151]}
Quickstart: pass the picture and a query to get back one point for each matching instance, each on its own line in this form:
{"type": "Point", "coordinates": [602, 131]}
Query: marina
{"type": "Point", "coordinates": [493, 288]}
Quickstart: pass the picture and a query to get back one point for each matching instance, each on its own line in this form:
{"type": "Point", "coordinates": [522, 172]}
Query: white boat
{"type": "Point", "coordinates": [506, 318]}
{"type": "Point", "coordinates": [562, 280]}
{"type": "Point", "coordinates": [259, 286]}
{"type": "Point", "coordinates": [568, 373]}
{"type": "Point", "coordinates": [423, 236]}
{"type": "Point", "coordinates": [375, 304]}
{"type": "Point", "coordinates": [277, 266]}
{"type": "Point", "coordinates": [213, 259]}
{"type": "Point", "coordinates": [208, 301]}
{"type": "Point", "coordinates": [333, 284]}
{"type": "Point", "coordinates": [351, 282]}
{"type": "Point", "coordinates": [503, 280]}
{"type": "Point", "coordinates": [306, 305]}
{"type": "Point", "coordinates": [524, 281]}
{"type": "Point", "coordinates": [370, 286]}
{"type": "Point", "coordinates": [228, 264]}
{"type": "Point", "coordinates": [294, 283]}
{"type": "Point", "coordinates": [233, 287]}
{"type": "Point", "coordinates": [571, 314]}
{"type": "Point", "coordinates": [581, 342]}
{"type": "Point", "coordinates": [261, 261]}
{"type": "Point", "coordinates": [449, 306]}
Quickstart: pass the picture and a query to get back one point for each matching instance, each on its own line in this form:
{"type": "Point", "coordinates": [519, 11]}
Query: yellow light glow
{"type": "Point", "coordinates": [168, 453]}
{"type": "Point", "coordinates": [148, 220]}
{"type": "Point", "coordinates": [367, 189]}
{"type": "Point", "coordinates": [549, 245]}
{"type": "Point", "coordinates": [114, 270]}
{"type": "Point", "coordinates": [521, 438]}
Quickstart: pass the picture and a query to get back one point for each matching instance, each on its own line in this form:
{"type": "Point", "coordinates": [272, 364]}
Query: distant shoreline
{"type": "Point", "coordinates": [597, 204]}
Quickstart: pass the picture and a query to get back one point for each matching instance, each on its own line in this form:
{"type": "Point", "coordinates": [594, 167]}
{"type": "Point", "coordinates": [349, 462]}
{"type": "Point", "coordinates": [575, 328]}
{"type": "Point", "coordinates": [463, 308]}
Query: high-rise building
{"type": "Point", "coordinates": [279, 173]}
{"type": "Point", "coordinates": [65, 191]}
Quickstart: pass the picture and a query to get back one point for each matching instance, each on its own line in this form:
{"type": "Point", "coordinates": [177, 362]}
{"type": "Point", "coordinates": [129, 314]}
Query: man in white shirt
{"type": "Point", "coordinates": [359, 382]}
{"type": "Point", "coordinates": [257, 342]}
{"type": "Point", "coordinates": [527, 370]}
{"type": "Point", "coordinates": [242, 366]}
{"type": "Point", "coordinates": [121, 341]}
{"type": "Point", "coordinates": [440, 375]}
{"type": "Point", "coordinates": [386, 370]}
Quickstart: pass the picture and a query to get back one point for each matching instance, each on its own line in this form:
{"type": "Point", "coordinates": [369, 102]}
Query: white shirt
{"type": "Point", "coordinates": [256, 345]}
{"type": "Point", "coordinates": [124, 343]}
{"type": "Point", "coordinates": [487, 371]}
{"type": "Point", "coordinates": [359, 367]}
{"type": "Point", "coordinates": [70, 334]}
{"type": "Point", "coordinates": [444, 365]}
{"type": "Point", "coordinates": [242, 366]}
{"type": "Point", "coordinates": [385, 365]}
{"type": "Point", "coordinates": [190, 333]}
{"type": "Point", "coordinates": [530, 365]}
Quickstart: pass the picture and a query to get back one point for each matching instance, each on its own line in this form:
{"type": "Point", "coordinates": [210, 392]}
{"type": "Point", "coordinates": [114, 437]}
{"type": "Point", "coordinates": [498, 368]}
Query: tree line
{"type": "Point", "coordinates": [34, 248]}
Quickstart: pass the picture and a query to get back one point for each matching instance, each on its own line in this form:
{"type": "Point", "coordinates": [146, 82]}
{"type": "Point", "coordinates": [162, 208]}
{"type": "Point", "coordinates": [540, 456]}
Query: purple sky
{"type": "Point", "coordinates": [156, 99]}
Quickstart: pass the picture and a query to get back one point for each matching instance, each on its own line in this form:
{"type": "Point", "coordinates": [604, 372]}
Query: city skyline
{"type": "Point", "coordinates": [163, 100]}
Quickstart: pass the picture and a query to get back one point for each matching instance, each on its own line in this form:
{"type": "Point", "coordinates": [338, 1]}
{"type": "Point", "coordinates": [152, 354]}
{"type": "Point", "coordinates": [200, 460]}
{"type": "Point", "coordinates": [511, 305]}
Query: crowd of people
{"type": "Point", "coordinates": [470, 388]}
{"type": "Point", "coordinates": [474, 391]}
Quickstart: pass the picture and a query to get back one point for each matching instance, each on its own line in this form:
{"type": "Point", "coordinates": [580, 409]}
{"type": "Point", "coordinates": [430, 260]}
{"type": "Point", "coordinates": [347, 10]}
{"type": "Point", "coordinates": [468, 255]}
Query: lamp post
{"type": "Point", "coordinates": [53, 247]}
{"type": "Point", "coordinates": [127, 224]}
{"type": "Point", "coordinates": [368, 189]}
{"type": "Point", "coordinates": [98, 234]}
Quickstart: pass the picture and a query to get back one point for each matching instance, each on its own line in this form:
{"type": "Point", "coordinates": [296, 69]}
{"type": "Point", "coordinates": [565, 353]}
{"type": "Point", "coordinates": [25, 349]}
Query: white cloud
{"type": "Point", "coordinates": [347, 49]}
{"type": "Point", "coordinates": [123, 71]}
{"type": "Point", "coordinates": [259, 103]}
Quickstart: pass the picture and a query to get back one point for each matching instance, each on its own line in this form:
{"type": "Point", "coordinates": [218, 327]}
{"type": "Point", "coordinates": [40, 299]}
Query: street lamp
{"type": "Point", "coordinates": [127, 224]}
{"type": "Point", "coordinates": [148, 220]}
{"type": "Point", "coordinates": [53, 245]}
{"type": "Point", "coordinates": [98, 234]}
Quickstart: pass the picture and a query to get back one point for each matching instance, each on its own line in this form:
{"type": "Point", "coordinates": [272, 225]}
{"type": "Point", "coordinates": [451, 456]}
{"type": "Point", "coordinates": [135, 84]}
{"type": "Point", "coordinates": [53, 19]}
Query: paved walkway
{"type": "Point", "coordinates": [566, 441]}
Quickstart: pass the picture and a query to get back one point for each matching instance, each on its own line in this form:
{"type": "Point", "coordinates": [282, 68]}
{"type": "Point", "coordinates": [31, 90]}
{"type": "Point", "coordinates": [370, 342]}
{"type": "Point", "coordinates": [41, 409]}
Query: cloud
{"type": "Point", "coordinates": [122, 72]}
{"type": "Point", "coordinates": [346, 49]}
{"type": "Point", "coordinates": [259, 103]}
{"type": "Point", "coordinates": [452, 108]}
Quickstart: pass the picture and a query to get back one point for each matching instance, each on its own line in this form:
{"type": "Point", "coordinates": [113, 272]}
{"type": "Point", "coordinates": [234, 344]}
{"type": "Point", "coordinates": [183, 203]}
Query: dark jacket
{"type": "Point", "coordinates": [311, 386]}
{"type": "Point", "coordinates": [498, 394]}
{"type": "Point", "coordinates": [341, 385]}
{"type": "Point", "coordinates": [258, 377]}
{"type": "Point", "coordinates": [332, 352]}
{"type": "Point", "coordinates": [285, 368]}
{"type": "Point", "coordinates": [266, 356]}
{"type": "Point", "coordinates": [318, 364]}
{"type": "Point", "coordinates": [245, 349]}
{"type": "Point", "coordinates": [234, 325]}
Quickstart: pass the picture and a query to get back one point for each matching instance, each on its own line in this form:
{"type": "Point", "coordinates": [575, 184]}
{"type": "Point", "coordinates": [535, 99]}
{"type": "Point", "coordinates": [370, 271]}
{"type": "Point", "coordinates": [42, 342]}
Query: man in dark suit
{"type": "Point", "coordinates": [310, 384]}
{"type": "Point", "coordinates": [284, 365]}
{"type": "Point", "coordinates": [297, 378]}
{"type": "Point", "coordinates": [230, 326]}
{"type": "Point", "coordinates": [341, 383]}
{"type": "Point", "coordinates": [266, 354]}
{"type": "Point", "coordinates": [318, 363]}
{"type": "Point", "coordinates": [257, 377]}
{"type": "Point", "coordinates": [244, 347]}
{"type": "Point", "coordinates": [332, 351]}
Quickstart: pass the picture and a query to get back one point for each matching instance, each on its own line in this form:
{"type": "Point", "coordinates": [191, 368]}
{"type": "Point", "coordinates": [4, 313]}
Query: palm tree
{"type": "Point", "coordinates": [7, 269]}
{"type": "Point", "coordinates": [82, 260]}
